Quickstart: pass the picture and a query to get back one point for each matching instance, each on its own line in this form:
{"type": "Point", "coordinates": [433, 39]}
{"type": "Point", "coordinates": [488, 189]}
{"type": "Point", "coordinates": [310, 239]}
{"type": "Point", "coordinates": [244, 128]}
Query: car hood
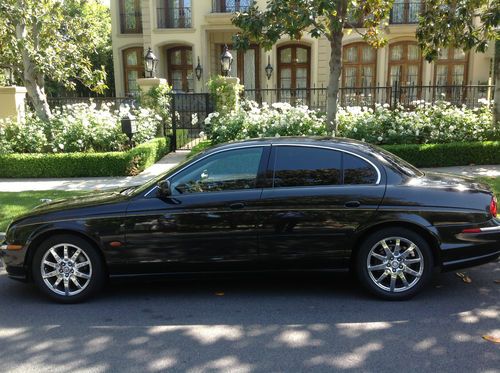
{"type": "Point", "coordinates": [66, 205]}
{"type": "Point", "coordinates": [449, 181]}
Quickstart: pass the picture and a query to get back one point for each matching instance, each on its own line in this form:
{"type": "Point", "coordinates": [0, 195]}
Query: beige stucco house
{"type": "Point", "coordinates": [185, 33]}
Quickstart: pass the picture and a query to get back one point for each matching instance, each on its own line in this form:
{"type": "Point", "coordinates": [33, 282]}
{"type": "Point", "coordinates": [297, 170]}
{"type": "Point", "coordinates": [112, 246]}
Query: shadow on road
{"type": "Point", "coordinates": [293, 322]}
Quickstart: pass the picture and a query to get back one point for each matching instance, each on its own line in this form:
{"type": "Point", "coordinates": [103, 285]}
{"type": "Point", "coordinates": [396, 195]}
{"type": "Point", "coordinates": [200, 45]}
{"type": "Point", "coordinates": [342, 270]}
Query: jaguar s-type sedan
{"type": "Point", "coordinates": [263, 205]}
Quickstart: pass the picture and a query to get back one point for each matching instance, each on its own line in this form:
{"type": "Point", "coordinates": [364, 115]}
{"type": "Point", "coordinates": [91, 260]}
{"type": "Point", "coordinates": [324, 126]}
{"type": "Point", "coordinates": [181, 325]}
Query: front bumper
{"type": "Point", "coordinates": [13, 261]}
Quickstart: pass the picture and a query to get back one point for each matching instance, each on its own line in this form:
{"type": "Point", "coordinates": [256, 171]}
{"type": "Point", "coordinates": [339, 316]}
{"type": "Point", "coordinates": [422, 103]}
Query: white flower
{"type": "Point", "coordinates": [380, 138]}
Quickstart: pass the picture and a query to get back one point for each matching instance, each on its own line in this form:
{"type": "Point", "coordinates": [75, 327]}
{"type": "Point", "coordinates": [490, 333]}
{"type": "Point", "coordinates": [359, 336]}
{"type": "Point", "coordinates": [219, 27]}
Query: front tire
{"type": "Point", "coordinates": [68, 269]}
{"type": "Point", "coordinates": [394, 263]}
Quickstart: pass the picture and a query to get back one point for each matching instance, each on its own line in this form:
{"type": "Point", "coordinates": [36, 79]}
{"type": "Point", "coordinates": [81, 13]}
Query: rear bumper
{"type": "Point", "coordinates": [471, 247]}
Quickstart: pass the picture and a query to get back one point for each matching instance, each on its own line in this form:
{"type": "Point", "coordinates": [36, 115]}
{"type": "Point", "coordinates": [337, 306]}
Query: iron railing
{"type": "Point", "coordinates": [405, 12]}
{"type": "Point", "coordinates": [230, 6]}
{"type": "Point", "coordinates": [405, 95]}
{"type": "Point", "coordinates": [174, 17]}
{"type": "Point", "coordinates": [114, 103]}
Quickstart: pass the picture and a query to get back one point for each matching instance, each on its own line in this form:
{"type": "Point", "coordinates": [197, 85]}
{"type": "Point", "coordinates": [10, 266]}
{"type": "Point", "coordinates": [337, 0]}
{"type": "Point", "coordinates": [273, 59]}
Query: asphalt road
{"type": "Point", "coordinates": [293, 323]}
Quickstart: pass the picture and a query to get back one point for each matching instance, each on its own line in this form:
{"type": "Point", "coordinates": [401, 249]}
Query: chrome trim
{"type": "Point", "coordinates": [379, 174]}
{"type": "Point", "coordinates": [490, 229]}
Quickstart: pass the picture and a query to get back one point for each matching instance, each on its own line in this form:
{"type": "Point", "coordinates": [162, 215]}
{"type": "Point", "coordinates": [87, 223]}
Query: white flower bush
{"type": "Point", "coordinates": [252, 121]}
{"type": "Point", "coordinates": [76, 128]}
{"type": "Point", "coordinates": [423, 123]}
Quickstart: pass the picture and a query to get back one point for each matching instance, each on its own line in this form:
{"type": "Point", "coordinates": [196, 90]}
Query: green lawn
{"type": "Point", "coordinates": [12, 204]}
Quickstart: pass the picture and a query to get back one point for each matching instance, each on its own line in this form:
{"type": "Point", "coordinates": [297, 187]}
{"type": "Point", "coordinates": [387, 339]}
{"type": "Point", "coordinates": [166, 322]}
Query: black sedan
{"type": "Point", "coordinates": [263, 205]}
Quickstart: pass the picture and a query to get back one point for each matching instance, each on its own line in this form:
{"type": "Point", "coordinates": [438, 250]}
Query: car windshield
{"type": "Point", "coordinates": [398, 163]}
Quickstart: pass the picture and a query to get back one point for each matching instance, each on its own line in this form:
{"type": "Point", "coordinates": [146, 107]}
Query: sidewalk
{"type": "Point", "coordinates": [166, 163]}
{"type": "Point", "coordinates": [95, 183]}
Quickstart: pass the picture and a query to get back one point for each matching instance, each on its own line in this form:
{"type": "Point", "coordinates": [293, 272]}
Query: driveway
{"type": "Point", "coordinates": [292, 323]}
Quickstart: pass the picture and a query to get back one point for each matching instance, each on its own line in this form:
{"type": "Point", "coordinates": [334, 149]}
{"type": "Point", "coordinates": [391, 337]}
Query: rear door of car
{"type": "Point", "coordinates": [316, 199]}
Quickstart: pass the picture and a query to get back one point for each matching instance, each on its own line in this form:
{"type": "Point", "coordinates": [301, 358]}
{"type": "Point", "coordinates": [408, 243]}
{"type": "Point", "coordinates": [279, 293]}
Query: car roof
{"type": "Point", "coordinates": [333, 142]}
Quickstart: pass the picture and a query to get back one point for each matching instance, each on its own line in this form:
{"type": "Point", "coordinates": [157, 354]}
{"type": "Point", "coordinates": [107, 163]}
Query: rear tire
{"type": "Point", "coordinates": [394, 263]}
{"type": "Point", "coordinates": [68, 269]}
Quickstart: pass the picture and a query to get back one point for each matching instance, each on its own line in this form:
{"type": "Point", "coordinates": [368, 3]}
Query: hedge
{"type": "Point", "coordinates": [84, 164]}
{"type": "Point", "coordinates": [445, 155]}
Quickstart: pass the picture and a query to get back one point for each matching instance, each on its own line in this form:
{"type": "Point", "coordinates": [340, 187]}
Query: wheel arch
{"type": "Point", "coordinates": [42, 236]}
{"type": "Point", "coordinates": [430, 237]}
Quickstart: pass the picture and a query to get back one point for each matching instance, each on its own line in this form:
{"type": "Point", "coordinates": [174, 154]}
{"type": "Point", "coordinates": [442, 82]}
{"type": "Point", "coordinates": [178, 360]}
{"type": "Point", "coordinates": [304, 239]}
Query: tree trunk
{"type": "Point", "coordinates": [496, 69]}
{"type": "Point", "coordinates": [334, 81]}
{"type": "Point", "coordinates": [32, 82]}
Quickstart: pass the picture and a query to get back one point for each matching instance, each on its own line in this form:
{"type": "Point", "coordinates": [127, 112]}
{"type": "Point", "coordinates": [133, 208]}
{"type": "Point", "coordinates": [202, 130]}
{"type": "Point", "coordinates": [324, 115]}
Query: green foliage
{"type": "Point", "coordinates": [251, 121]}
{"type": "Point", "coordinates": [463, 24]}
{"type": "Point", "coordinates": [293, 18]}
{"type": "Point", "coordinates": [445, 155]}
{"type": "Point", "coordinates": [76, 128]}
{"type": "Point", "coordinates": [425, 123]}
{"type": "Point", "coordinates": [198, 148]}
{"type": "Point", "coordinates": [158, 99]}
{"type": "Point", "coordinates": [226, 94]}
{"type": "Point", "coordinates": [126, 163]}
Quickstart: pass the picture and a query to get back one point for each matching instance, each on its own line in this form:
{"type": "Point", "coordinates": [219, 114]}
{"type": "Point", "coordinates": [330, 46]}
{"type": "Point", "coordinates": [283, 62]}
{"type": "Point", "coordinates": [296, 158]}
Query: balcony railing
{"type": "Point", "coordinates": [174, 17]}
{"type": "Point", "coordinates": [230, 6]}
{"type": "Point", "coordinates": [405, 12]}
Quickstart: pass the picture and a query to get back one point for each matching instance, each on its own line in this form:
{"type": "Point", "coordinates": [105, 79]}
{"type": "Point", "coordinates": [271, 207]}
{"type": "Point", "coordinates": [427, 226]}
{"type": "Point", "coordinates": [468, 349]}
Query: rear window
{"type": "Point", "coordinates": [358, 171]}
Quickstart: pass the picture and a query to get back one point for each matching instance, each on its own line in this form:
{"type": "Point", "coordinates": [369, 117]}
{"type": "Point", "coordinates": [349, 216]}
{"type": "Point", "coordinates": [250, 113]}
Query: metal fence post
{"type": "Point", "coordinates": [173, 141]}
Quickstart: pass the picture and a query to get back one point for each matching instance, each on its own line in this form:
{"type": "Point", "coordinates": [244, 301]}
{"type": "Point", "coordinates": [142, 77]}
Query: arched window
{"type": "Point", "coordinates": [180, 68]}
{"type": "Point", "coordinates": [451, 67]}
{"type": "Point", "coordinates": [405, 64]}
{"type": "Point", "coordinates": [133, 68]}
{"type": "Point", "coordinates": [130, 17]}
{"type": "Point", "coordinates": [360, 66]}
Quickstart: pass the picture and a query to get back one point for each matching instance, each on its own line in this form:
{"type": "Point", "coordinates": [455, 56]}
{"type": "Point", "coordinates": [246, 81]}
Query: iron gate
{"type": "Point", "coordinates": [189, 111]}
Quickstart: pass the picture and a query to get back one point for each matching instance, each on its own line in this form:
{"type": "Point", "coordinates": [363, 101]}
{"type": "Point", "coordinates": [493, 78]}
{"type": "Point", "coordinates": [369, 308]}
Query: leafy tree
{"type": "Point", "coordinates": [53, 39]}
{"type": "Point", "coordinates": [318, 18]}
{"type": "Point", "coordinates": [464, 24]}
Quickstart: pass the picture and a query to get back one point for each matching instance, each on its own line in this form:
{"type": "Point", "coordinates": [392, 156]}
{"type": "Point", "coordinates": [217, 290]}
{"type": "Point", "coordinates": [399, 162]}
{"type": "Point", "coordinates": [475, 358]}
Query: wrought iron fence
{"type": "Point", "coordinates": [174, 17]}
{"type": "Point", "coordinates": [114, 103]}
{"type": "Point", "coordinates": [405, 95]}
{"type": "Point", "coordinates": [230, 6]}
{"type": "Point", "coordinates": [403, 12]}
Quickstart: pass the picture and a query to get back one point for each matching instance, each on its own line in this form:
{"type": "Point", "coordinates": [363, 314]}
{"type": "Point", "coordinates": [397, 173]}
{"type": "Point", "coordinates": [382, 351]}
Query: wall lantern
{"type": "Point", "coordinates": [198, 70]}
{"type": "Point", "coordinates": [269, 68]}
{"type": "Point", "coordinates": [226, 60]}
{"type": "Point", "coordinates": [151, 62]}
{"type": "Point", "coordinates": [129, 127]}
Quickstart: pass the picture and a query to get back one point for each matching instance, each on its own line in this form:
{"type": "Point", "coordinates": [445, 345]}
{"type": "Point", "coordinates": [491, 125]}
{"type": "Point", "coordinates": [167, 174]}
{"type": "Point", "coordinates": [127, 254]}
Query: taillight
{"type": "Point", "coordinates": [494, 207]}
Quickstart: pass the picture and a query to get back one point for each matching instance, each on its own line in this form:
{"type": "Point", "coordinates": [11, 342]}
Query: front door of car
{"type": "Point", "coordinates": [319, 197]}
{"type": "Point", "coordinates": [208, 222]}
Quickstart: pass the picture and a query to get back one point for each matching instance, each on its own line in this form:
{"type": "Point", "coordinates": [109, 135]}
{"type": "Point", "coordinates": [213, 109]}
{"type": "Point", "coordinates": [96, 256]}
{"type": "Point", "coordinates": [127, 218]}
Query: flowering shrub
{"type": "Point", "coordinates": [76, 128]}
{"type": "Point", "coordinates": [425, 123]}
{"type": "Point", "coordinates": [252, 121]}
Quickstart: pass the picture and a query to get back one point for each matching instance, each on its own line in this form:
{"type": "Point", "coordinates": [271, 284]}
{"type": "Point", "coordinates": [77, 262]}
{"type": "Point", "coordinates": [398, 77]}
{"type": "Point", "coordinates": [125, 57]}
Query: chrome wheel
{"type": "Point", "coordinates": [395, 264]}
{"type": "Point", "coordinates": [66, 269]}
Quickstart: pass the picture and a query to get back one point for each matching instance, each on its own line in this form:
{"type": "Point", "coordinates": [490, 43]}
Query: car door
{"type": "Point", "coordinates": [209, 220]}
{"type": "Point", "coordinates": [319, 197]}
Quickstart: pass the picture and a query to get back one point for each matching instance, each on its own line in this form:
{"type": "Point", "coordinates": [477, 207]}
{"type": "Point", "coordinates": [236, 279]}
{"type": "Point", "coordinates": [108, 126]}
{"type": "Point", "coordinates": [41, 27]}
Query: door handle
{"type": "Point", "coordinates": [352, 204]}
{"type": "Point", "coordinates": [237, 205]}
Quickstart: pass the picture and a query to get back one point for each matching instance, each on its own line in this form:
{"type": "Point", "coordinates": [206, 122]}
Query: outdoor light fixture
{"type": "Point", "coordinates": [151, 62]}
{"type": "Point", "coordinates": [129, 127]}
{"type": "Point", "coordinates": [226, 60]}
{"type": "Point", "coordinates": [7, 72]}
{"type": "Point", "coordinates": [198, 70]}
{"type": "Point", "coordinates": [269, 68]}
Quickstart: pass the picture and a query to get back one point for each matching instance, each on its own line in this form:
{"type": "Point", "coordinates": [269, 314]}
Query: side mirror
{"type": "Point", "coordinates": [164, 188]}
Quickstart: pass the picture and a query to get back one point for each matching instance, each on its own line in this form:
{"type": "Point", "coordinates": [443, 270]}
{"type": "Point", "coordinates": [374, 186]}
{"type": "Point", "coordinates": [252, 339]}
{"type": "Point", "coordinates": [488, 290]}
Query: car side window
{"type": "Point", "coordinates": [306, 166]}
{"type": "Point", "coordinates": [358, 171]}
{"type": "Point", "coordinates": [228, 170]}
